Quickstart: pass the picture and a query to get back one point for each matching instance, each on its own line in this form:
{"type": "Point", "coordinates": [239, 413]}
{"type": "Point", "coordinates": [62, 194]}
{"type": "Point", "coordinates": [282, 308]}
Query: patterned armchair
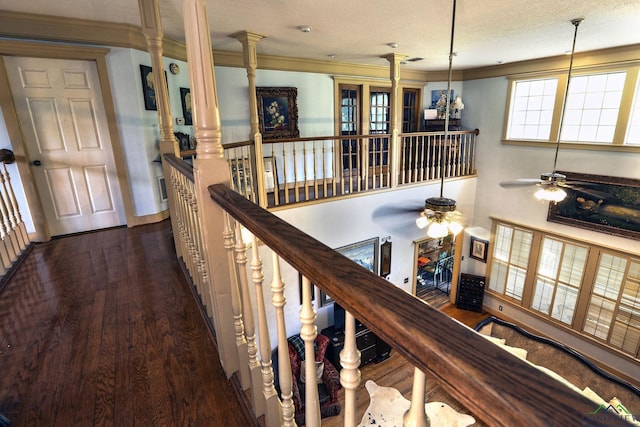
{"type": "Point", "coordinates": [328, 386]}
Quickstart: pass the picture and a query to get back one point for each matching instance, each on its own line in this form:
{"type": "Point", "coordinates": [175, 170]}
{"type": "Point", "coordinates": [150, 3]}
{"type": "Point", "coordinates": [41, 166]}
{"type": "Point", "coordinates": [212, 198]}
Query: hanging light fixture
{"type": "Point", "coordinates": [439, 216]}
{"type": "Point", "coordinates": [551, 190]}
{"type": "Point", "coordinates": [551, 184]}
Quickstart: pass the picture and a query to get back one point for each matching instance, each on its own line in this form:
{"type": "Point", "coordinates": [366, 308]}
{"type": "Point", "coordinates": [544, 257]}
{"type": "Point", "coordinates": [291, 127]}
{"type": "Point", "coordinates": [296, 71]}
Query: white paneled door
{"type": "Point", "coordinates": [62, 117]}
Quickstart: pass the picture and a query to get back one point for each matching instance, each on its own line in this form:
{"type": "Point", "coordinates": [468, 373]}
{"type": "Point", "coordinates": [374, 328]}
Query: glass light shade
{"type": "Point", "coordinates": [551, 194]}
{"type": "Point", "coordinates": [438, 229]}
{"type": "Point", "coordinates": [455, 228]}
{"type": "Point", "coordinates": [422, 222]}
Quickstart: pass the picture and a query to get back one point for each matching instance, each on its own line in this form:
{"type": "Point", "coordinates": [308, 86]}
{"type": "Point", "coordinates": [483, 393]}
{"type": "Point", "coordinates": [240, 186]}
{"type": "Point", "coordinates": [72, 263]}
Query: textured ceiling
{"type": "Point", "coordinates": [357, 31]}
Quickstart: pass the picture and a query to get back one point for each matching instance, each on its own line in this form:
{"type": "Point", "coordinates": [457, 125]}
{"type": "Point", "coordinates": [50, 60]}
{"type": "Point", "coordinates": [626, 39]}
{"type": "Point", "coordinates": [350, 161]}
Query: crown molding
{"type": "Point", "coordinates": [70, 30]}
{"type": "Point", "coordinates": [614, 55]}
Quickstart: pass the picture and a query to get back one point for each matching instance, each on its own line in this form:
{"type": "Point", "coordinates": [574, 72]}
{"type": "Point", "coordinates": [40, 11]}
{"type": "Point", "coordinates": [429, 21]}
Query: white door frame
{"type": "Point", "coordinates": [39, 50]}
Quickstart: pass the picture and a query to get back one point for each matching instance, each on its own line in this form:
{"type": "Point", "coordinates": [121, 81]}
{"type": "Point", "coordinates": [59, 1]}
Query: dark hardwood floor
{"type": "Point", "coordinates": [102, 329]}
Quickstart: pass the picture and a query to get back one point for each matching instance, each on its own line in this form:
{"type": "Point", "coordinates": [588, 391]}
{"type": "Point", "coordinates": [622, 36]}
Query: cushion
{"type": "Point", "coordinates": [495, 340]}
{"type": "Point", "coordinates": [519, 352]}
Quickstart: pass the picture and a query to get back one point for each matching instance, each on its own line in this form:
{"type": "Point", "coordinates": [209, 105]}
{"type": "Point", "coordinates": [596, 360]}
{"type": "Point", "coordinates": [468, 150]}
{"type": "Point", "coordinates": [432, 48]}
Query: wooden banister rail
{"type": "Point", "coordinates": [496, 386]}
{"type": "Point", "coordinates": [326, 138]}
{"type": "Point", "coordinates": [7, 156]}
{"type": "Point", "coordinates": [183, 167]}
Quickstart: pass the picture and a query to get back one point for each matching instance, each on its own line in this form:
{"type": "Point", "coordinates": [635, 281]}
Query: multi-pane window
{"type": "Point", "coordinates": [349, 123]}
{"type": "Point", "coordinates": [592, 107]}
{"type": "Point", "coordinates": [595, 104]}
{"type": "Point", "coordinates": [606, 290]}
{"type": "Point", "coordinates": [531, 109]}
{"type": "Point", "coordinates": [590, 289]}
{"type": "Point", "coordinates": [512, 248]}
{"type": "Point", "coordinates": [558, 279]}
{"type": "Point", "coordinates": [379, 123]}
{"type": "Point", "coordinates": [633, 131]}
{"type": "Point", "coordinates": [410, 111]}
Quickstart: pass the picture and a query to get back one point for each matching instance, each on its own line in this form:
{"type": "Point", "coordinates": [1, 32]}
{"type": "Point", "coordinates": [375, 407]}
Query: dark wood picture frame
{"type": "Point", "coordinates": [479, 249]}
{"type": "Point", "coordinates": [278, 112]}
{"type": "Point", "coordinates": [148, 91]}
{"type": "Point", "coordinates": [385, 259]}
{"type": "Point", "coordinates": [185, 99]}
{"type": "Point", "coordinates": [602, 203]}
{"type": "Point", "coordinates": [364, 253]}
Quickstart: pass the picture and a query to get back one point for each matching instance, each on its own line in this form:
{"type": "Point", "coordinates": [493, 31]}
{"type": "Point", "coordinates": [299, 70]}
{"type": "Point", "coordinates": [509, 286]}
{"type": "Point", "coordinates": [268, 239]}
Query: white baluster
{"type": "Point", "coordinates": [284, 364]}
{"type": "Point", "coordinates": [249, 325]}
{"type": "Point", "coordinates": [350, 374]}
{"type": "Point", "coordinates": [16, 210]}
{"type": "Point", "coordinates": [236, 306]}
{"type": "Point", "coordinates": [308, 333]}
{"type": "Point", "coordinates": [273, 414]}
{"type": "Point", "coordinates": [416, 415]}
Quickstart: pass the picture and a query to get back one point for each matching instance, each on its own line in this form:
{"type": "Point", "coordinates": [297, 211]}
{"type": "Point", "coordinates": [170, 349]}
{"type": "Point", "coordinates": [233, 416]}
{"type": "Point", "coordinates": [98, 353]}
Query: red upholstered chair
{"type": "Point", "coordinates": [327, 389]}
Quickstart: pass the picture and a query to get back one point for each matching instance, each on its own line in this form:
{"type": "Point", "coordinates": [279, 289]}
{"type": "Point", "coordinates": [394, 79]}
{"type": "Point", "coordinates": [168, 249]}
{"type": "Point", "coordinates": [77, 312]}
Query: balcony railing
{"type": "Point", "coordinates": [494, 385]}
{"type": "Point", "coordinates": [305, 169]}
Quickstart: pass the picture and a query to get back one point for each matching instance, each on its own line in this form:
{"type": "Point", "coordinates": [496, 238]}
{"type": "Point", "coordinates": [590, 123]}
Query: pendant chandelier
{"type": "Point", "coordinates": [439, 216]}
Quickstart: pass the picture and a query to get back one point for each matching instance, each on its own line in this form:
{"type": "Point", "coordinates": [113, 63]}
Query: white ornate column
{"type": "Point", "coordinates": [396, 107]}
{"type": "Point", "coordinates": [209, 168]}
{"type": "Point", "coordinates": [250, 55]}
{"type": "Point", "coordinates": [152, 30]}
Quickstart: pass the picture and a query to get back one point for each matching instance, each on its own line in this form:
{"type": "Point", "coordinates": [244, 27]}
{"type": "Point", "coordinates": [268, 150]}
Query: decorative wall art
{"type": "Point", "coordinates": [148, 89]}
{"type": "Point", "coordinates": [606, 204]}
{"type": "Point", "coordinates": [479, 249]}
{"type": "Point", "coordinates": [364, 253]}
{"type": "Point", "coordinates": [185, 98]}
{"type": "Point", "coordinates": [278, 112]}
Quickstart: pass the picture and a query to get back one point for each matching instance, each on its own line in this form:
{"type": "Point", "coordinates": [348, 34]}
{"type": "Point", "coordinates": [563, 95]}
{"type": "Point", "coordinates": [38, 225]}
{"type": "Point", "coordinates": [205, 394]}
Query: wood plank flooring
{"type": "Point", "coordinates": [101, 329]}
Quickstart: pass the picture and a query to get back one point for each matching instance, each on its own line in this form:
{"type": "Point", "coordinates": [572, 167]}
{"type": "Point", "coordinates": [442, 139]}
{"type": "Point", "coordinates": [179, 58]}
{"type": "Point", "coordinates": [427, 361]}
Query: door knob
{"type": "Point", "coordinates": [36, 163]}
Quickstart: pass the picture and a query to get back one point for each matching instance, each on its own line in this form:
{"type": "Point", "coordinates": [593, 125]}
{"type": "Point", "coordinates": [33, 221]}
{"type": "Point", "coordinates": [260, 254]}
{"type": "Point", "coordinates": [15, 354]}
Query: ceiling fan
{"type": "Point", "coordinates": [438, 215]}
{"type": "Point", "coordinates": [551, 183]}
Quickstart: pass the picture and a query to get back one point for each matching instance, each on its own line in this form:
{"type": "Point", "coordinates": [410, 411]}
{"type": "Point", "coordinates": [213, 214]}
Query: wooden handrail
{"type": "Point", "coordinates": [183, 167]}
{"type": "Point", "coordinates": [327, 138]}
{"type": "Point", "coordinates": [496, 386]}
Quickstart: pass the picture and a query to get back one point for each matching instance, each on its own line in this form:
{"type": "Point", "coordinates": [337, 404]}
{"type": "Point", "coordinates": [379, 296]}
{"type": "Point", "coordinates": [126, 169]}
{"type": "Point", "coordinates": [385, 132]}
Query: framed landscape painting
{"type": "Point", "coordinates": [602, 203]}
{"type": "Point", "coordinates": [364, 253]}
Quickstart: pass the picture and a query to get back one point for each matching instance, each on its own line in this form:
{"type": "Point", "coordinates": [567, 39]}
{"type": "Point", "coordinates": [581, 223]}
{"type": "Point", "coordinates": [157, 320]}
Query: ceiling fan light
{"type": "Point", "coordinates": [455, 228]}
{"type": "Point", "coordinates": [437, 230]}
{"type": "Point", "coordinates": [422, 222]}
{"type": "Point", "coordinates": [552, 194]}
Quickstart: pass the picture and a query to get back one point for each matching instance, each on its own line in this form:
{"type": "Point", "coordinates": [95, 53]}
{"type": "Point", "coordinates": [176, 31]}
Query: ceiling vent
{"type": "Point", "coordinates": [416, 59]}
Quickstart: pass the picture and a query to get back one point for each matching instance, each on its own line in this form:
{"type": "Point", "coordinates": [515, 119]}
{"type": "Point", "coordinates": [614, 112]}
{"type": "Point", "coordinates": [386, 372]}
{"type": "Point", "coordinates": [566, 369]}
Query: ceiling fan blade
{"type": "Point", "coordinates": [585, 190]}
{"type": "Point", "coordinates": [399, 219]}
{"type": "Point", "coordinates": [522, 182]}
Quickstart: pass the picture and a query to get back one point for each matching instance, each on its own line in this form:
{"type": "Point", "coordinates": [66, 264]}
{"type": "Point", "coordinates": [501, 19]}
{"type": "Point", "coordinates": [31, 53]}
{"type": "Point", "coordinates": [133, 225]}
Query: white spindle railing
{"type": "Point", "coordinates": [307, 169]}
{"type": "Point", "coordinates": [13, 234]}
{"type": "Point", "coordinates": [421, 156]}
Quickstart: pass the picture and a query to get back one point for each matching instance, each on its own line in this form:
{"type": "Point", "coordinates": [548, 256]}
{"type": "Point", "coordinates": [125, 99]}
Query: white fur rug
{"type": "Point", "coordinates": [387, 407]}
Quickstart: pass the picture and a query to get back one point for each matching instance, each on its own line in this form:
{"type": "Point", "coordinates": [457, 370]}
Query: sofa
{"type": "Point", "coordinates": [566, 365]}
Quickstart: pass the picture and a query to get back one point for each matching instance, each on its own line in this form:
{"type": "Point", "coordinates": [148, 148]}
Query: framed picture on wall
{"type": "Point", "coordinates": [479, 249]}
{"type": "Point", "coordinates": [185, 99]}
{"type": "Point", "coordinates": [148, 87]}
{"type": "Point", "coordinates": [278, 112]}
{"type": "Point", "coordinates": [364, 253]}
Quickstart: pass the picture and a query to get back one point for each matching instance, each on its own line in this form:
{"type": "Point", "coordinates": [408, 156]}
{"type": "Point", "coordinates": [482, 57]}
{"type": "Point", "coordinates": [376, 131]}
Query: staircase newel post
{"type": "Point", "coordinates": [210, 167]}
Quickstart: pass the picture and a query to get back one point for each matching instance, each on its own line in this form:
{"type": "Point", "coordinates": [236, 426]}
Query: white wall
{"type": "Point", "coordinates": [139, 130]}
{"type": "Point", "coordinates": [329, 223]}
